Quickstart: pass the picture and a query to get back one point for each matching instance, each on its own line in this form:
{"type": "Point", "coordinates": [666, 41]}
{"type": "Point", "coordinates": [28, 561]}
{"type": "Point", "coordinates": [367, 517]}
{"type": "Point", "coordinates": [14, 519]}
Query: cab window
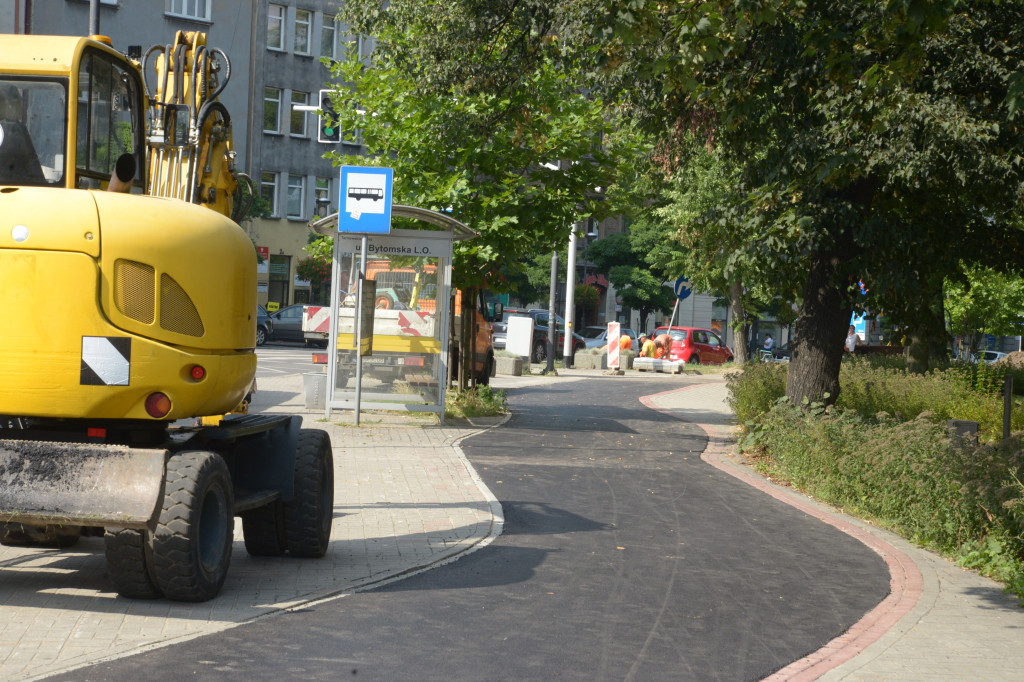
{"type": "Point", "coordinates": [32, 131]}
{"type": "Point", "coordinates": [109, 119]}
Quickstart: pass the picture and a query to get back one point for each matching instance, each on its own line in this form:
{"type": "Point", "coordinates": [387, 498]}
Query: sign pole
{"type": "Point", "coordinates": [359, 327]}
{"type": "Point", "coordinates": [332, 336]}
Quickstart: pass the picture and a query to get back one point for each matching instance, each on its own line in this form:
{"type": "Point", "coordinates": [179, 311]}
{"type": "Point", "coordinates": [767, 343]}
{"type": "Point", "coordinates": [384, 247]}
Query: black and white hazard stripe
{"type": "Point", "coordinates": [106, 360]}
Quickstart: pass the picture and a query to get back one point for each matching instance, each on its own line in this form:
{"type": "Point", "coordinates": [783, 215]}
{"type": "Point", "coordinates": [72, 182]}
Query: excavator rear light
{"type": "Point", "coordinates": [158, 405]}
{"type": "Point", "coordinates": [198, 372]}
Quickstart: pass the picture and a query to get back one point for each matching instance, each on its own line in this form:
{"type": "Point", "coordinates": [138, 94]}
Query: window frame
{"type": "Point", "coordinates": [308, 23]}
{"type": "Point", "coordinates": [301, 202]}
{"type": "Point", "coordinates": [184, 13]}
{"type": "Point", "coordinates": [304, 133]}
{"type": "Point", "coordinates": [332, 25]}
{"type": "Point", "coordinates": [277, 117]}
{"type": "Point", "coordinates": [283, 18]}
{"type": "Point", "coordinates": [274, 184]}
{"type": "Point", "coordinates": [322, 185]}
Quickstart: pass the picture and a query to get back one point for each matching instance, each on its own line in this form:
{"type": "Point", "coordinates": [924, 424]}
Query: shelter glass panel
{"type": "Point", "coordinates": [409, 331]}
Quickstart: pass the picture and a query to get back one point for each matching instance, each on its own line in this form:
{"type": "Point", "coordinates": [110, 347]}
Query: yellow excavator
{"type": "Point", "coordinates": [129, 318]}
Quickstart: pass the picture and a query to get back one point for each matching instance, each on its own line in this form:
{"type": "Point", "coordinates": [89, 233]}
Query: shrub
{"type": "Point", "coordinates": [482, 401]}
{"type": "Point", "coordinates": [964, 501]}
{"type": "Point", "coordinates": [754, 391]}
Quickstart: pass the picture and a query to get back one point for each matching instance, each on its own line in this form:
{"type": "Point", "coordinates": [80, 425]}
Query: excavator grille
{"type": "Point", "coordinates": [134, 290]}
{"type": "Point", "coordinates": [177, 311]}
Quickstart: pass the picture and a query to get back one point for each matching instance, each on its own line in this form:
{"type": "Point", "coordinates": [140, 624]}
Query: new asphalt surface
{"type": "Point", "coordinates": [623, 556]}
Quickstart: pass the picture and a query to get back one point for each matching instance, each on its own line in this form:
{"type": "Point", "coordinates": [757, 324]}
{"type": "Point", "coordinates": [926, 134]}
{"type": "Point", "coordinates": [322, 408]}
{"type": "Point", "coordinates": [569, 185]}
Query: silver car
{"type": "Point", "coordinates": [597, 336]}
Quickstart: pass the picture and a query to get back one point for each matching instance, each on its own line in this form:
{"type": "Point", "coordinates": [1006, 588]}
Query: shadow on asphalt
{"type": "Point", "coordinates": [533, 518]}
{"type": "Point", "coordinates": [518, 565]}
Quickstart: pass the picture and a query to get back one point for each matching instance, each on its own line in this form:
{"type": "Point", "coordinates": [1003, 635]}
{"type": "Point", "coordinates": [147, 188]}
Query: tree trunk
{"type": "Point", "coordinates": [741, 332]}
{"type": "Point", "coordinates": [927, 337]}
{"type": "Point", "coordinates": [820, 331]}
{"type": "Point", "coordinates": [467, 379]}
{"type": "Point", "coordinates": [917, 351]}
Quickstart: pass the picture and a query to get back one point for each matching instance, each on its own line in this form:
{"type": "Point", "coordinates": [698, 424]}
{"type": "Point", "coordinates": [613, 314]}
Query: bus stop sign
{"type": "Point", "coordinates": [365, 200]}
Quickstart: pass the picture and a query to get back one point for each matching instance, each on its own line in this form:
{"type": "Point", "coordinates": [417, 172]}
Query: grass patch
{"type": "Point", "coordinates": [483, 401]}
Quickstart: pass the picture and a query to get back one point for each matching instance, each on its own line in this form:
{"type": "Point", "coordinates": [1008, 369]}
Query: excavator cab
{"type": "Point", "coordinates": [106, 122]}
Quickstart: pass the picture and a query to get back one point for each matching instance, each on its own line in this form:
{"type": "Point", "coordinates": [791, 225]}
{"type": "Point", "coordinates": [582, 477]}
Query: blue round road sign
{"type": "Point", "coordinates": [682, 288]}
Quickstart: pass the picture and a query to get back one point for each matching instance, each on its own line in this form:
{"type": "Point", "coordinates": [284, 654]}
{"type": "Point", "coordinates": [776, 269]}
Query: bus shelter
{"type": "Point", "coordinates": [406, 365]}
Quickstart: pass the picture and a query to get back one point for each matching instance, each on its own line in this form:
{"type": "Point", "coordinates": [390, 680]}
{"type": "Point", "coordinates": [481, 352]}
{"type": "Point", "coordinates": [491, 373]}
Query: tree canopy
{"type": "Point", "coordinates": [518, 162]}
{"type": "Point", "coordinates": [864, 140]}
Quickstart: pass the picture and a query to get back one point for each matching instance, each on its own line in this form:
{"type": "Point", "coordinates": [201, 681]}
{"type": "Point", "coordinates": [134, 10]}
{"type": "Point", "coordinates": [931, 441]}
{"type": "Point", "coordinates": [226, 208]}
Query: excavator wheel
{"type": "Point", "coordinates": [127, 564]}
{"type": "Point", "coordinates": [192, 542]}
{"type": "Point", "coordinates": [263, 530]}
{"type": "Point", "coordinates": [310, 514]}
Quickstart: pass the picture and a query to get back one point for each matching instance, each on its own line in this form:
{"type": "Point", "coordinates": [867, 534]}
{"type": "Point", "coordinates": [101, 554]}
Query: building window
{"type": "Point", "coordinates": [297, 126]}
{"type": "Point", "coordinates": [296, 196]}
{"type": "Point", "coordinates": [268, 190]}
{"type": "Point", "coordinates": [275, 27]}
{"type": "Point", "coordinates": [353, 46]}
{"type": "Point", "coordinates": [190, 9]}
{"type": "Point", "coordinates": [303, 22]}
{"type": "Point", "coordinates": [322, 194]}
{"type": "Point", "coordinates": [328, 33]}
{"type": "Point", "coordinates": [271, 110]}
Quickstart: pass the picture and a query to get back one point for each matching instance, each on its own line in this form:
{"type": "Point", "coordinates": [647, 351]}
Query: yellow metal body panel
{"type": "Point", "coordinates": [53, 299]}
{"type": "Point", "coordinates": [208, 255]}
{"type": "Point", "coordinates": [45, 55]}
{"type": "Point", "coordinates": [49, 226]}
{"type": "Point", "coordinates": [394, 344]}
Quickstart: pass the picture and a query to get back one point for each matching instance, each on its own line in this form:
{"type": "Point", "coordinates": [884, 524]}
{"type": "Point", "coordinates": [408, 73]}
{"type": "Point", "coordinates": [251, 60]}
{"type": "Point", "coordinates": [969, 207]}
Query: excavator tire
{"type": "Point", "coordinates": [127, 564]}
{"type": "Point", "coordinates": [263, 530]}
{"type": "Point", "coordinates": [192, 542]}
{"type": "Point", "coordinates": [308, 517]}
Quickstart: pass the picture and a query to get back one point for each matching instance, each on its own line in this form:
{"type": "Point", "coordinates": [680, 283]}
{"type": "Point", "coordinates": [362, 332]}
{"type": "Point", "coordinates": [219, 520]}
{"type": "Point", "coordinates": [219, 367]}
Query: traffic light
{"type": "Point", "coordinates": [329, 131]}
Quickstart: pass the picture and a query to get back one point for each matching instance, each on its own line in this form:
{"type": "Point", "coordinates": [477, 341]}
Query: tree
{"type": "Point", "coordinates": [518, 164]}
{"type": "Point", "coordinates": [873, 141]}
{"type": "Point", "coordinates": [984, 301]}
{"type": "Point", "coordinates": [640, 287]}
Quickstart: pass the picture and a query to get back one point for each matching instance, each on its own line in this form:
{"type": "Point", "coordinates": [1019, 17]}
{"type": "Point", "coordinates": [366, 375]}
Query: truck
{"type": "Point", "coordinates": [128, 358]}
{"type": "Point", "coordinates": [400, 311]}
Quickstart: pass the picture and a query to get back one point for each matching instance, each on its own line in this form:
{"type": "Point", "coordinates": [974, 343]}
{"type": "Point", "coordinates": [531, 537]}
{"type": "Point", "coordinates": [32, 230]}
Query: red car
{"type": "Point", "coordinates": [694, 345]}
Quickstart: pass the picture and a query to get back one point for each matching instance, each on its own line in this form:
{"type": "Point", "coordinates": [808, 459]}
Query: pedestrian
{"type": "Point", "coordinates": [769, 342]}
{"type": "Point", "coordinates": [625, 343]}
{"type": "Point", "coordinates": [664, 344]}
{"type": "Point", "coordinates": [647, 347]}
{"type": "Point", "coordinates": [852, 340]}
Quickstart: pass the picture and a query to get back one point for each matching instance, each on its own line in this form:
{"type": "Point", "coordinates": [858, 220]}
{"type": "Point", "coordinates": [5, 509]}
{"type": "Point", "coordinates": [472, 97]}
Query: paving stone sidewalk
{"type": "Point", "coordinates": [406, 500]}
{"type": "Point", "coordinates": [940, 623]}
